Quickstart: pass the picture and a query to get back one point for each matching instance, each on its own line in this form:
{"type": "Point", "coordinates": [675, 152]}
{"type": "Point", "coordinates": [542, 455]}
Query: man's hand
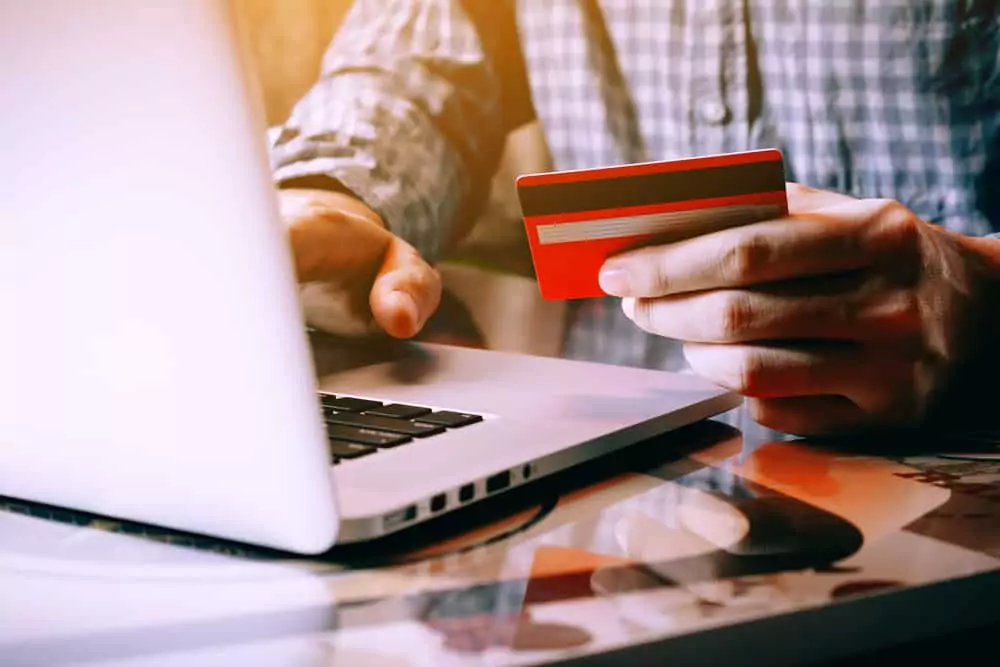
{"type": "Point", "coordinates": [851, 314]}
{"type": "Point", "coordinates": [353, 269]}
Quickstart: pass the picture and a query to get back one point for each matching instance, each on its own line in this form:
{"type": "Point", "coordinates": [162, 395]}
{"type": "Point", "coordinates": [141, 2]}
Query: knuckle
{"type": "Point", "coordinates": [428, 285]}
{"type": "Point", "coordinates": [735, 315]}
{"type": "Point", "coordinates": [896, 227]}
{"type": "Point", "coordinates": [642, 313]}
{"type": "Point", "coordinates": [901, 311]}
{"type": "Point", "coordinates": [427, 278]}
{"type": "Point", "coordinates": [749, 374]}
{"type": "Point", "coordinates": [647, 270]}
{"type": "Point", "coordinates": [658, 283]}
{"type": "Point", "coordinates": [655, 316]}
{"type": "Point", "coordinates": [744, 371]}
{"type": "Point", "coordinates": [888, 313]}
{"type": "Point", "coordinates": [745, 258]}
{"type": "Point", "coordinates": [437, 282]}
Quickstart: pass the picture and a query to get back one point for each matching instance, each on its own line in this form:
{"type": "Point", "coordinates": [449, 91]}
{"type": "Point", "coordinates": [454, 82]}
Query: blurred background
{"type": "Point", "coordinates": [492, 300]}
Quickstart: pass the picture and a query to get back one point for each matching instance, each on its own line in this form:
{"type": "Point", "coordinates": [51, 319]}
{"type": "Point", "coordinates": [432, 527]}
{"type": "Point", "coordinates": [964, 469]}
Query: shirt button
{"type": "Point", "coordinates": [713, 112]}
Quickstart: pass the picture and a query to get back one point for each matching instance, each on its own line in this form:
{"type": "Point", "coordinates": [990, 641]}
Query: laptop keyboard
{"type": "Point", "coordinates": [359, 427]}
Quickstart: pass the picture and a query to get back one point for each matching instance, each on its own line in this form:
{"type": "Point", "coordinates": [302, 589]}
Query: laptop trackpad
{"type": "Point", "coordinates": [334, 354]}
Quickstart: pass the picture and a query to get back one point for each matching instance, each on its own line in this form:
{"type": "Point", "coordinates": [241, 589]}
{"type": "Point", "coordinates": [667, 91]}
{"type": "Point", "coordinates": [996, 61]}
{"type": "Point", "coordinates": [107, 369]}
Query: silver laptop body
{"type": "Point", "coordinates": [153, 362]}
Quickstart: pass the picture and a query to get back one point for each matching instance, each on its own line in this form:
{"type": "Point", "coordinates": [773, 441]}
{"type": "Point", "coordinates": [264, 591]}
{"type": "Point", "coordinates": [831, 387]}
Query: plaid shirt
{"type": "Point", "coordinates": [874, 98]}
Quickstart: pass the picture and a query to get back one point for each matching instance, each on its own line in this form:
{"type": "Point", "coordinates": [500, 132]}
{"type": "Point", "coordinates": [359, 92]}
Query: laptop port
{"type": "Point", "coordinates": [438, 502]}
{"type": "Point", "coordinates": [526, 472]}
{"type": "Point", "coordinates": [498, 482]}
{"type": "Point", "coordinates": [467, 493]}
{"type": "Point", "coordinates": [400, 517]}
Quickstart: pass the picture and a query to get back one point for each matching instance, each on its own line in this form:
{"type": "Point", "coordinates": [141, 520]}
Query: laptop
{"type": "Point", "coordinates": [155, 366]}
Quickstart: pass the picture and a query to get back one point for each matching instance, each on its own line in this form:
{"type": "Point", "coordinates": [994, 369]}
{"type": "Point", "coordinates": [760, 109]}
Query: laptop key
{"type": "Point", "coordinates": [326, 398]}
{"type": "Point", "coordinates": [449, 418]}
{"type": "Point", "coordinates": [400, 426]}
{"type": "Point", "coordinates": [366, 436]}
{"type": "Point", "coordinates": [398, 411]}
{"type": "Point", "coordinates": [341, 449]}
{"type": "Point", "coordinates": [348, 403]}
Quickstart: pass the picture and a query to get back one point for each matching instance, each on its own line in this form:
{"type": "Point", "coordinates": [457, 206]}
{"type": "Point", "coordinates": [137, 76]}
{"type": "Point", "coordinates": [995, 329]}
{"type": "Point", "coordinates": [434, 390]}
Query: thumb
{"type": "Point", "coordinates": [352, 264]}
{"type": "Point", "coordinates": [406, 291]}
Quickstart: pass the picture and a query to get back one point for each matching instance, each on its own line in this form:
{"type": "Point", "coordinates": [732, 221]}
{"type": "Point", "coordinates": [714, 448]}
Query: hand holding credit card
{"type": "Point", "coordinates": [576, 220]}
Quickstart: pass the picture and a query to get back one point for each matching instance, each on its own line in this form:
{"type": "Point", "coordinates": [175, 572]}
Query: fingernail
{"type": "Point", "coordinates": [614, 281]}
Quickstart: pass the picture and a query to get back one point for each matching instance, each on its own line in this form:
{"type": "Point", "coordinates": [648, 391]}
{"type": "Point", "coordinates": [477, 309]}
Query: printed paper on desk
{"type": "Point", "coordinates": [577, 219]}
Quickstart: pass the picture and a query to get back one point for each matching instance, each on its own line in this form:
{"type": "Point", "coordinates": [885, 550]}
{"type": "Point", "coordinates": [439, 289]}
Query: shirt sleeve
{"type": "Point", "coordinates": [405, 115]}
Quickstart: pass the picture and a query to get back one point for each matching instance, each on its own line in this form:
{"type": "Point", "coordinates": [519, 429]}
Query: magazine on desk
{"type": "Point", "coordinates": [772, 551]}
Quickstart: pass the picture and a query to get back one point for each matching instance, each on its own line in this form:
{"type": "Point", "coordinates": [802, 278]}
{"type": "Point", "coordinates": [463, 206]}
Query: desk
{"type": "Point", "coordinates": [720, 543]}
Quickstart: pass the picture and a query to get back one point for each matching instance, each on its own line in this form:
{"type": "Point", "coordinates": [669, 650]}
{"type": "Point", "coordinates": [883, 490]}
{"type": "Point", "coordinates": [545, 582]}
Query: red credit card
{"type": "Point", "coordinates": [578, 219]}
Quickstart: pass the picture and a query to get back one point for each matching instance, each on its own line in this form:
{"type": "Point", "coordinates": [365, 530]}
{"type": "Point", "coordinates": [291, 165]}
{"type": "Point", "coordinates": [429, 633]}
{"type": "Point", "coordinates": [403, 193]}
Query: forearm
{"type": "Point", "coordinates": [405, 116]}
{"type": "Point", "coordinates": [396, 163]}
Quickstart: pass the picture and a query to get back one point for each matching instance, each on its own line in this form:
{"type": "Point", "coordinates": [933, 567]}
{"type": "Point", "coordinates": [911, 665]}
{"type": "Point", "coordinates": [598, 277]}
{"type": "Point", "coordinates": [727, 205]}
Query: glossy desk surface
{"type": "Point", "coordinates": [723, 542]}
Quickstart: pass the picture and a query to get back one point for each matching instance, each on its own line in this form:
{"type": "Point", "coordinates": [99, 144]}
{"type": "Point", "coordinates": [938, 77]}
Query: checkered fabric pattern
{"type": "Point", "coordinates": [874, 98]}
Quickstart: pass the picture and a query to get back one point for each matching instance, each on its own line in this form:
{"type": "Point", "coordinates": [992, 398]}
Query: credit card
{"type": "Point", "coordinates": [577, 219]}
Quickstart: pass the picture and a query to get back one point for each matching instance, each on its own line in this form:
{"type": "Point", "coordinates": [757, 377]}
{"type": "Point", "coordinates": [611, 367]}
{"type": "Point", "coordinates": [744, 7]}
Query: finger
{"type": "Point", "coordinates": [759, 253]}
{"type": "Point", "coordinates": [811, 242]}
{"type": "Point", "coordinates": [847, 307]}
{"type": "Point", "coordinates": [878, 381]}
{"type": "Point", "coordinates": [342, 252]}
{"type": "Point", "coordinates": [406, 291]}
{"type": "Point", "coordinates": [771, 371]}
{"type": "Point", "coordinates": [808, 415]}
{"type": "Point", "coordinates": [736, 316]}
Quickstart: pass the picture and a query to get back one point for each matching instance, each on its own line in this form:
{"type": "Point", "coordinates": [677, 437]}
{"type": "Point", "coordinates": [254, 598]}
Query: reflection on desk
{"type": "Point", "coordinates": [703, 544]}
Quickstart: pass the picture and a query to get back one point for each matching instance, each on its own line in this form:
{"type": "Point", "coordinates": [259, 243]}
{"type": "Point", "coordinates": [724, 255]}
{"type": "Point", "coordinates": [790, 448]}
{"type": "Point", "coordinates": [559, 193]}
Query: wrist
{"type": "Point", "coordinates": [329, 192]}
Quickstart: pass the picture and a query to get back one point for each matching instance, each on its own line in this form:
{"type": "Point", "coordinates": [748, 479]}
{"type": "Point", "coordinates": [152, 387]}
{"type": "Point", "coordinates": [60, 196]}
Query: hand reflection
{"type": "Point", "coordinates": [703, 537]}
{"type": "Point", "coordinates": [476, 619]}
{"type": "Point", "coordinates": [520, 632]}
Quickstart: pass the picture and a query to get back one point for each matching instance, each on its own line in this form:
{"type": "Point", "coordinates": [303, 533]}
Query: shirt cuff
{"type": "Point", "coordinates": [417, 192]}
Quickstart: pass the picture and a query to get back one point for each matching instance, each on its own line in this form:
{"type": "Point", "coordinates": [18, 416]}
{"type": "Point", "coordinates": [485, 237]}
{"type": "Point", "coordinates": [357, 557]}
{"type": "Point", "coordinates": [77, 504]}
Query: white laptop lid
{"type": "Point", "coordinates": [154, 365]}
